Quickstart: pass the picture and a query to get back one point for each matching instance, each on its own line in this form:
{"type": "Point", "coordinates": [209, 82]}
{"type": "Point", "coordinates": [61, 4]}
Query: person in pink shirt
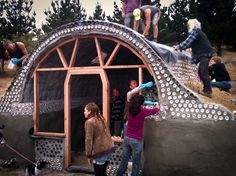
{"type": "Point", "coordinates": [133, 140]}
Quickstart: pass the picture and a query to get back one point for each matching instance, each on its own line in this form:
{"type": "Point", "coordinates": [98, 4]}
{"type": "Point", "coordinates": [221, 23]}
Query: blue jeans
{"type": "Point", "coordinates": [134, 147]}
{"type": "Point", "coordinates": [224, 85]}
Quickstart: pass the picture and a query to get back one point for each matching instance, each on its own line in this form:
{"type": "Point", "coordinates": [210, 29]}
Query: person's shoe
{"type": "Point", "coordinates": [207, 94]}
{"type": "Point", "coordinates": [154, 40]}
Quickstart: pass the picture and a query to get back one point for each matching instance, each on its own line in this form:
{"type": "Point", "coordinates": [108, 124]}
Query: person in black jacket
{"type": "Point", "coordinates": [117, 112]}
{"type": "Point", "coordinates": [201, 53]}
{"type": "Point", "coordinates": [219, 73]}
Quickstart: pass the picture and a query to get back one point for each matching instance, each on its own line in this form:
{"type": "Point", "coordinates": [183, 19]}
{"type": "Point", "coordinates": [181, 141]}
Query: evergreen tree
{"type": "Point", "coordinates": [18, 17]}
{"type": "Point", "coordinates": [166, 33]}
{"type": "Point", "coordinates": [98, 14]}
{"type": "Point", "coordinates": [3, 22]}
{"type": "Point", "coordinates": [151, 2]}
{"type": "Point", "coordinates": [217, 19]}
{"type": "Point", "coordinates": [63, 12]}
{"type": "Point", "coordinates": [179, 14]}
{"type": "Point", "coordinates": [117, 15]}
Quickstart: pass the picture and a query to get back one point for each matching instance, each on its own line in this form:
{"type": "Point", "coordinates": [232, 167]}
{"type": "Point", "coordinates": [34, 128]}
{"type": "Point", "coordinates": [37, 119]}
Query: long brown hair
{"type": "Point", "coordinates": [95, 111]}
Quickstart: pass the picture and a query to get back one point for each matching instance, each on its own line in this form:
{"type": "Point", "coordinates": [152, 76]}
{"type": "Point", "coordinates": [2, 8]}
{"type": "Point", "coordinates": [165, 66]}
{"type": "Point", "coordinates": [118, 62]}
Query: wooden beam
{"type": "Point", "coordinates": [140, 76]}
{"type": "Point", "coordinates": [75, 52]}
{"type": "Point", "coordinates": [52, 69]}
{"type": "Point", "coordinates": [105, 97]}
{"type": "Point", "coordinates": [50, 51]}
{"type": "Point", "coordinates": [36, 102]}
{"type": "Point", "coordinates": [67, 120]}
{"type": "Point", "coordinates": [113, 54]}
{"type": "Point", "coordinates": [131, 49]}
{"type": "Point", "coordinates": [99, 51]}
{"type": "Point", "coordinates": [62, 57]}
{"type": "Point", "coordinates": [95, 67]}
{"type": "Point", "coordinates": [47, 134]}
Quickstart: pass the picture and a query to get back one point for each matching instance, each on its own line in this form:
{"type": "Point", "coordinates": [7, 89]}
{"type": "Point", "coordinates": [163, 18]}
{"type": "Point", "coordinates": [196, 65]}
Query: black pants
{"type": "Point", "coordinates": [203, 72]}
{"type": "Point", "coordinates": [100, 170]}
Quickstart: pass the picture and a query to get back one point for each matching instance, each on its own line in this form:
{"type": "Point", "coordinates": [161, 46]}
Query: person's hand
{"type": "Point", "coordinates": [151, 102]}
{"type": "Point", "coordinates": [15, 60]}
{"type": "Point", "coordinates": [146, 85]}
{"type": "Point", "coordinates": [90, 161]}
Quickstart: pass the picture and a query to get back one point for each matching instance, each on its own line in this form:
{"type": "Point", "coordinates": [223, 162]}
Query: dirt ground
{"type": "Point", "coordinates": [79, 161]}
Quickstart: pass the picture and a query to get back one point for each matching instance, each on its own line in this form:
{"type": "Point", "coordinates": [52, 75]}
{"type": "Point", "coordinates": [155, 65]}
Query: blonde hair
{"type": "Point", "coordinates": [193, 24]}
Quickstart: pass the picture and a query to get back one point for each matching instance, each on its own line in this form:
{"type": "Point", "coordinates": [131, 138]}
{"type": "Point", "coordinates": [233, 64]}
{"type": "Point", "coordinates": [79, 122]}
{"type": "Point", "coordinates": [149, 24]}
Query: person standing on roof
{"type": "Point", "coordinates": [149, 15]}
{"type": "Point", "coordinates": [128, 7]}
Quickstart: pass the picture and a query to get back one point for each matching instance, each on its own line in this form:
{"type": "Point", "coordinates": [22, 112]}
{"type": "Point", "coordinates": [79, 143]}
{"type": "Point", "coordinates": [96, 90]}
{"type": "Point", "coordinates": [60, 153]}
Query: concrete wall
{"type": "Point", "coordinates": [176, 147]}
{"type": "Point", "coordinates": [16, 135]}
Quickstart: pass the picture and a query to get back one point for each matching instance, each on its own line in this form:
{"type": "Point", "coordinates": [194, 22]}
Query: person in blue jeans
{"type": "Point", "coordinates": [219, 73]}
{"type": "Point", "coordinates": [133, 140]}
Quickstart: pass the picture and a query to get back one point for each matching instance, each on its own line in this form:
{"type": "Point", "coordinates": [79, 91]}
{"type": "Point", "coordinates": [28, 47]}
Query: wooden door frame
{"type": "Point", "coordinates": [67, 104]}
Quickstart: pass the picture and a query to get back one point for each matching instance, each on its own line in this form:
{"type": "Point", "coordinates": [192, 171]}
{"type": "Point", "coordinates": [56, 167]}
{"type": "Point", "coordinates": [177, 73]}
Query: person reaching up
{"type": "Point", "coordinates": [133, 140]}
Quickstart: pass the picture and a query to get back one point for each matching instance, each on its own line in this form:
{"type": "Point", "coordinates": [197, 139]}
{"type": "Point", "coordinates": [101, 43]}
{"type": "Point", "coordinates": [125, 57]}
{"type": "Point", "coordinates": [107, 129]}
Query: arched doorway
{"type": "Point", "coordinates": [113, 60]}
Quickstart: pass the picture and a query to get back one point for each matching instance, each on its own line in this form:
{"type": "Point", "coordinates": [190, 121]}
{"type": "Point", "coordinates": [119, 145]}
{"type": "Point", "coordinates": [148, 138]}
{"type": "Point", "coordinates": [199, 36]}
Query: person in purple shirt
{"type": "Point", "coordinates": [128, 7]}
{"type": "Point", "coordinates": [133, 140]}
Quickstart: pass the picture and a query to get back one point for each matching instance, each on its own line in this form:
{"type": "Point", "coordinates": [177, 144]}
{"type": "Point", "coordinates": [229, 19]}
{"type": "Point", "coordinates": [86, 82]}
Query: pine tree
{"type": "Point", "coordinates": [217, 19]}
{"type": "Point", "coordinates": [179, 14]}
{"type": "Point", "coordinates": [63, 12]}
{"type": "Point", "coordinates": [117, 15]}
{"type": "Point", "coordinates": [151, 2]}
{"type": "Point", "coordinates": [18, 17]}
{"type": "Point", "coordinates": [3, 22]}
{"type": "Point", "coordinates": [98, 14]}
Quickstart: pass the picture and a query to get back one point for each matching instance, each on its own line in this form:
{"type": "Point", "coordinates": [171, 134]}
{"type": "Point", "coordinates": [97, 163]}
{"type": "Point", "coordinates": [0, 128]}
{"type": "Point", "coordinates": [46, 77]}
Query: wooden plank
{"type": "Point", "coordinates": [105, 97]}
{"type": "Point", "coordinates": [95, 67]}
{"type": "Point", "coordinates": [113, 54]}
{"type": "Point", "coordinates": [131, 49]}
{"type": "Point", "coordinates": [75, 52]}
{"type": "Point", "coordinates": [52, 69]}
{"type": "Point", "coordinates": [140, 76]}
{"type": "Point", "coordinates": [99, 51]}
{"type": "Point", "coordinates": [48, 134]}
{"type": "Point", "coordinates": [36, 102]}
{"type": "Point", "coordinates": [67, 120]}
{"type": "Point", "coordinates": [50, 51]}
{"type": "Point", "coordinates": [62, 57]}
